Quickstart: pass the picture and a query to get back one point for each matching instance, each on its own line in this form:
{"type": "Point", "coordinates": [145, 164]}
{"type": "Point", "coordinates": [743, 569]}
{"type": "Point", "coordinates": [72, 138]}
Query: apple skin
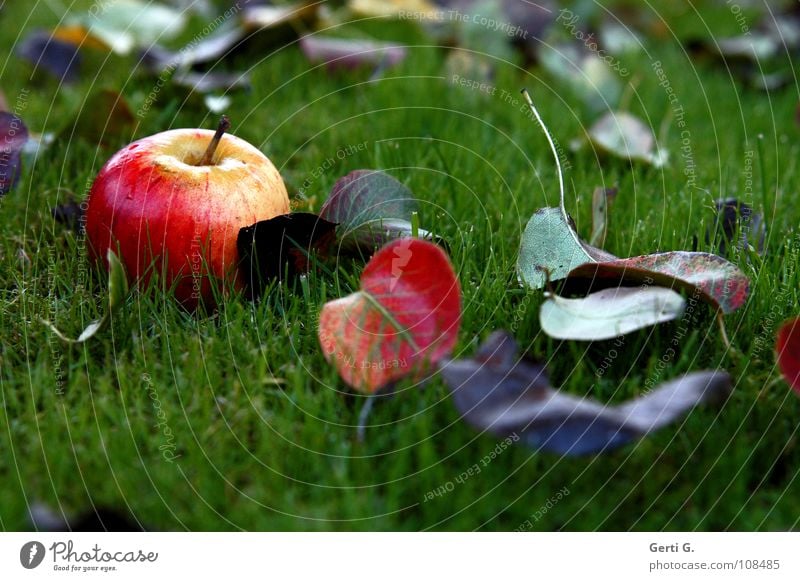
{"type": "Point", "coordinates": [161, 212]}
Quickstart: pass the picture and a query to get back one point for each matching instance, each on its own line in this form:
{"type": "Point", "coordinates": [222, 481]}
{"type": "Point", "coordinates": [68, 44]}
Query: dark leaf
{"type": "Point", "coordinates": [371, 208]}
{"type": "Point", "coordinates": [503, 394]}
{"type": "Point", "coordinates": [60, 59]}
{"type": "Point", "coordinates": [787, 351]}
{"type": "Point", "coordinates": [717, 281]}
{"type": "Point", "coordinates": [71, 214]}
{"type": "Point", "coordinates": [208, 49]}
{"type": "Point", "coordinates": [281, 246]}
{"type": "Point", "coordinates": [737, 222]}
{"type": "Point", "coordinates": [102, 519]}
{"type": "Point", "coordinates": [13, 137]}
{"type": "Point", "coordinates": [405, 317]}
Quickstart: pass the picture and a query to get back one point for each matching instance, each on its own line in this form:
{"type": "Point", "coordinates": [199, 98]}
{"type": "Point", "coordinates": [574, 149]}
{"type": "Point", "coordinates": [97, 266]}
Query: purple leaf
{"type": "Point", "coordinates": [499, 392]}
{"type": "Point", "coordinates": [13, 136]}
{"type": "Point", "coordinates": [59, 58]}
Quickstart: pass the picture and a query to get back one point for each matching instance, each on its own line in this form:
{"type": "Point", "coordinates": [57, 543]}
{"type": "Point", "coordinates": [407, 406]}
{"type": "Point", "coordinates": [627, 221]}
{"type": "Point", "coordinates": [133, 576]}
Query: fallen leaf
{"type": "Point", "coordinates": [586, 74]}
{"type": "Point", "coordinates": [618, 39]}
{"type": "Point", "coordinates": [508, 396]}
{"type": "Point", "coordinates": [99, 519]}
{"type": "Point", "coordinates": [13, 137]}
{"type": "Point", "coordinates": [550, 248]}
{"type": "Point", "coordinates": [208, 49]}
{"type": "Point", "coordinates": [217, 104]}
{"type": "Point", "coordinates": [601, 199]}
{"type": "Point", "coordinates": [494, 26]}
{"type": "Point", "coordinates": [337, 53]}
{"type": "Point", "coordinates": [279, 247]}
{"type": "Point", "coordinates": [123, 25]}
{"type": "Point", "coordinates": [464, 64]}
{"type": "Point", "coordinates": [105, 117]}
{"type": "Point", "coordinates": [71, 214]}
{"type": "Point", "coordinates": [622, 135]}
{"type": "Point", "coordinates": [371, 208]}
{"type": "Point", "coordinates": [391, 8]}
{"type": "Point", "coordinates": [271, 17]}
{"type": "Point", "coordinates": [717, 281]}
{"type": "Point", "coordinates": [737, 222]}
{"type": "Point", "coordinates": [59, 58]}
{"type": "Point", "coordinates": [405, 317]}
{"type": "Point", "coordinates": [787, 352]}
{"type": "Point", "coordinates": [117, 291]}
{"type": "Point", "coordinates": [609, 313]}
{"type": "Point", "coordinates": [206, 82]}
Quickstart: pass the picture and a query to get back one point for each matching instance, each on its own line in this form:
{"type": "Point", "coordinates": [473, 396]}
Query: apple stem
{"type": "Point", "coordinates": [208, 156]}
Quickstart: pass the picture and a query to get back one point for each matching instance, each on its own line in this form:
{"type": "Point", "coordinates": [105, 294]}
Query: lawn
{"type": "Point", "coordinates": [261, 430]}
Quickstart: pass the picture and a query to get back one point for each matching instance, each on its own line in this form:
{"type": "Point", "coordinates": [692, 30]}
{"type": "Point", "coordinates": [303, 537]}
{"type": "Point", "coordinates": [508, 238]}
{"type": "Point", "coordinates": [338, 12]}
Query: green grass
{"type": "Point", "coordinates": [78, 425]}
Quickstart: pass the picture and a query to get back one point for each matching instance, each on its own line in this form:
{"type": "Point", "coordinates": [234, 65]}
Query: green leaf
{"type": "Point", "coordinates": [587, 75]}
{"type": "Point", "coordinates": [609, 313]}
{"type": "Point", "coordinates": [117, 291]}
{"type": "Point", "coordinates": [117, 282]}
{"type": "Point", "coordinates": [123, 25]}
{"type": "Point", "coordinates": [551, 248]}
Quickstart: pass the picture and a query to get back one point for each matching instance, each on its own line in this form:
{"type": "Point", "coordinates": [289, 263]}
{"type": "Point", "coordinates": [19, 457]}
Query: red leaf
{"type": "Point", "coordinates": [405, 317]}
{"type": "Point", "coordinates": [718, 281]}
{"type": "Point", "coordinates": [787, 350]}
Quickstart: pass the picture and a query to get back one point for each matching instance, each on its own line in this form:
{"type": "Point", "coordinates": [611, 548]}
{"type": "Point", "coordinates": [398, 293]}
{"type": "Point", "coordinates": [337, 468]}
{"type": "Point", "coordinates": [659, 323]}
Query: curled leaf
{"type": "Point", "coordinates": [405, 317]}
{"type": "Point", "coordinates": [787, 351]}
{"type": "Point", "coordinates": [13, 137]}
{"type": "Point", "coordinates": [717, 281]}
{"type": "Point", "coordinates": [117, 291]}
{"type": "Point", "coordinates": [501, 393]}
{"type": "Point", "coordinates": [609, 313]}
{"type": "Point", "coordinates": [550, 248]}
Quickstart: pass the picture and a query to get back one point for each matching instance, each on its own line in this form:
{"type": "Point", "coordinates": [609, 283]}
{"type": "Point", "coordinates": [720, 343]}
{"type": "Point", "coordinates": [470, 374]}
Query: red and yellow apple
{"type": "Point", "coordinates": [172, 205]}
